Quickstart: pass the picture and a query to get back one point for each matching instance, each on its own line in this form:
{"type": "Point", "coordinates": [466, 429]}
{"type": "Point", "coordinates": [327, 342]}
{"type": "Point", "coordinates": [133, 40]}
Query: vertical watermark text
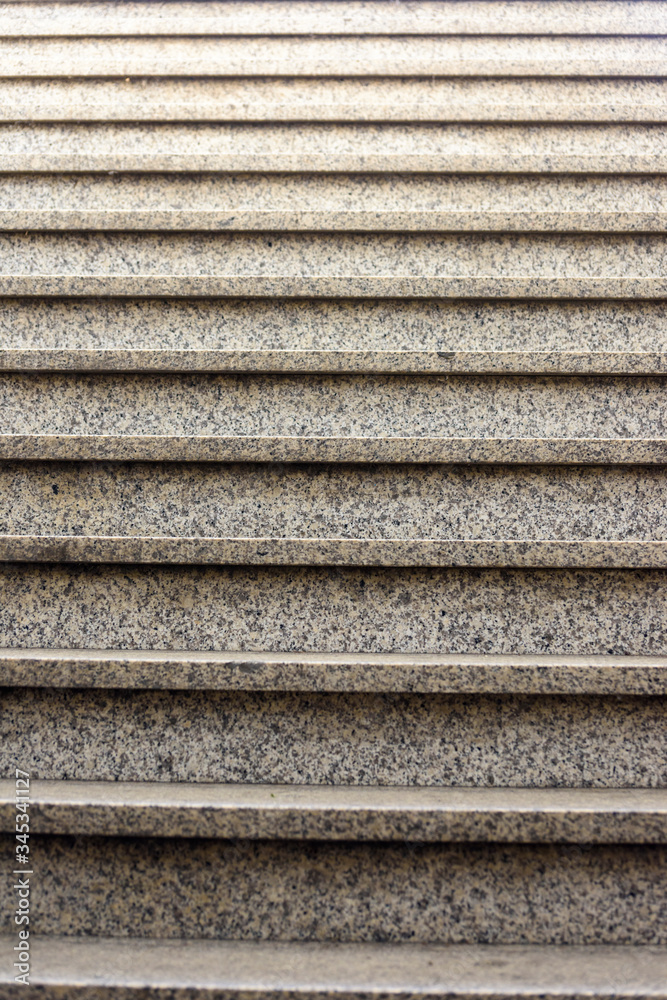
{"type": "Point", "coordinates": [22, 872]}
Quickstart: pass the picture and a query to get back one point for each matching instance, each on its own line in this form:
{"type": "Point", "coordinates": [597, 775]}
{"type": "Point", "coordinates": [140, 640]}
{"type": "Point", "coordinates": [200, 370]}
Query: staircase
{"type": "Point", "coordinates": [333, 538]}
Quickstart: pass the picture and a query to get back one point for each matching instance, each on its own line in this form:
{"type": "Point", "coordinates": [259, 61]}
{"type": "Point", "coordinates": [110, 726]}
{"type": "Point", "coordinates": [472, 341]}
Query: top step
{"type": "Point", "coordinates": [599, 17]}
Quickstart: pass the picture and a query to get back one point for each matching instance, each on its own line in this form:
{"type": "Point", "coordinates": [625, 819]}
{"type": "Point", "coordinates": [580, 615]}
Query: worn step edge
{"type": "Point", "coordinates": [88, 968]}
{"type": "Point", "coordinates": [295, 286]}
{"type": "Point", "coordinates": [341, 812]}
{"type": "Point", "coordinates": [171, 448]}
{"type": "Point", "coordinates": [337, 55]}
{"type": "Point", "coordinates": [332, 551]}
{"type": "Point", "coordinates": [368, 362]}
{"type": "Point", "coordinates": [166, 111]}
{"type": "Point", "coordinates": [333, 221]}
{"type": "Point", "coordinates": [274, 19]}
{"type": "Point", "coordinates": [416, 163]}
{"type": "Point", "coordinates": [363, 672]}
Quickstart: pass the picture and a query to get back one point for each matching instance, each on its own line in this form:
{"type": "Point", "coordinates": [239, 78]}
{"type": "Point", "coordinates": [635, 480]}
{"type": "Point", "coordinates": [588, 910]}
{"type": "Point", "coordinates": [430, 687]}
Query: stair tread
{"type": "Point", "coordinates": [382, 220]}
{"type": "Point", "coordinates": [336, 812]}
{"type": "Point", "coordinates": [309, 448]}
{"type": "Point", "coordinates": [327, 551]}
{"type": "Point", "coordinates": [327, 671]}
{"type": "Point", "coordinates": [271, 18]}
{"type": "Point", "coordinates": [157, 359]}
{"type": "Point", "coordinates": [290, 286]}
{"type": "Point", "coordinates": [174, 111]}
{"type": "Point", "coordinates": [336, 55]}
{"type": "Point", "coordinates": [528, 972]}
{"type": "Point", "coordinates": [307, 162]}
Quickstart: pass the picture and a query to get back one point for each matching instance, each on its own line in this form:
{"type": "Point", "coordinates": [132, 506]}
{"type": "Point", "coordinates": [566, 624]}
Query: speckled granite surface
{"type": "Point", "coordinates": [324, 515]}
{"type": "Point", "coordinates": [349, 812]}
{"type": "Point", "coordinates": [334, 609]}
{"type": "Point", "coordinates": [311, 406]}
{"type": "Point", "coordinates": [337, 265]}
{"type": "Point", "coordinates": [180, 969]}
{"type": "Point", "coordinates": [263, 325]}
{"type": "Point", "coordinates": [298, 671]}
{"type": "Point", "coordinates": [326, 362]}
{"type": "Point", "coordinates": [312, 502]}
{"type": "Point", "coordinates": [337, 738]}
{"type": "Point", "coordinates": [327, 148]}
{"type": "Point", "coordinates": [361, 56]}
{"type": "Point", "coordinates": [617, 451]}
{"type": "Point", "coordinates": [342, 100]}
{"type": "Point", "coordinates": [263, 550]}
{"type": "Point", "coordinates": [254, 890]}
{"type": "Point", "coordinates": [389, 257]}
{"type": "Point", "coordinates": [356, 18]}
{"type": "Point", "coordinates": [241, 220]}
{"type": "Point", "coordinates": [282, 198]}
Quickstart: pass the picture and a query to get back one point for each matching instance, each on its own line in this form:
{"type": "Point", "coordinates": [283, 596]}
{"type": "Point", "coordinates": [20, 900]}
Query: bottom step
{"type": "Point", "coordinates": [99, 969]}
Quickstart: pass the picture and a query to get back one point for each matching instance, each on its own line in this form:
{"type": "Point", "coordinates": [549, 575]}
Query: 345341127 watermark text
{"type": "Point", "coordinates": [22, 872]}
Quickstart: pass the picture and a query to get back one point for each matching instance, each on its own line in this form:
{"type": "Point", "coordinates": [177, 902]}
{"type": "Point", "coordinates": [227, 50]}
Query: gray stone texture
{"type": "Point", "coordinates": [562, 894]}
{"type": "Point", "coordinates": [336, 738]}
{"type": "Point", "coordinates": [334, 609]}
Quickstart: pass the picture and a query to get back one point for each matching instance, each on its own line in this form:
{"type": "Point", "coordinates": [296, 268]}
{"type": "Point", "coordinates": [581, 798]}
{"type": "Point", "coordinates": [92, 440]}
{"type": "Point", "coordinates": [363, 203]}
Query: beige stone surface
{"type": "Point", "coordinates": [321, 812]}
{"type": "Point", "coordinates": [397, 99]}
{"type": "Point", "coordinates": [297, 671]}
{"type": "Point", "coordinates": [349, 892]}
{"type": "Point", "coordinates": [146, 969]}
{"type": "Point", "coordinates": [381, 55]}
{"type": "Point", "coordinates": [609, 17]}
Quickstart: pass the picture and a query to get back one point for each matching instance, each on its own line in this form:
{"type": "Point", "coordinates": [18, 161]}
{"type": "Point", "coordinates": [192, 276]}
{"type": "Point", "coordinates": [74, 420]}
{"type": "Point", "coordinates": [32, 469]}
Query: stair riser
{"type": "Point", "coordinates": [334, 406]}
{"type": "Point", "coordinates": [302, 738]}
{"type": "Point", "coordinates": [341, 258]}
{"type": "Point", "coordinates": [291, 195]}
{"type": "Point", "coordinates": [333, 326]}
{"type": "Point", "coordinates": [259, 501]}
{"type": "Point", "coordinates": [565, 894]}
{"type": "Point", "coordinates": [370, 56]}
{"type": "Point", "coordinates": [424, 18]}
{"type": "Point", "coordinates": [336, 100]}
{"type": "Point", "coordinates": [329, 148]}
{"type": "Point", "coordinates": [418, 610]}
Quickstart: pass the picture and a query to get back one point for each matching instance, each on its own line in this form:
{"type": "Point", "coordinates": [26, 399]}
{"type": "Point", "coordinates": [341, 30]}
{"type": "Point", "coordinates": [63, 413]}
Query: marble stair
{"type": "Point", "coordinates": [333, 537]}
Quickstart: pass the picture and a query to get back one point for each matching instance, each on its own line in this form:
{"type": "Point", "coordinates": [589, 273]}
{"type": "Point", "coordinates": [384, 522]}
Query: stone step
{"type": "Point", "coordinates": [286, 200]}
{"type": "Point", "coordinates": [120, 359]}
{"type": "Point", "coordinates": [254, 100]}
{"type": "Point", "coordinates": [579, 516]}
{"type": "Point", "coordinates": [362, 336]}
{"type": "Point", "coordinates": [334, 609]}
{"type": "Point", "coordinates": [133, 968]}
{"type": "Point", "coordinates": [344, 891]}
{"type": "Point", "coordinates": [356, 450]}
{"type": "Point", "coordinates": [298, 265]}
{"type": "Point", "coordinates": [208, 733]}
{"type": "Point", "coordinates": [327, 812]}
{"type": "Point", "coordinates": [361, 56]}
{"type": "Point", "coordinates": [233, 670]}
{"type": "Point", "coordinates": [35, 19]}
{"type": "Point", "coordinates": [333, 148]}
{"type": "Point", "coordinates": [307, 417]}
{"type": "Point", "coordinates": [234, 220]}
{"type": "Point", "coordinates": [233, 551]}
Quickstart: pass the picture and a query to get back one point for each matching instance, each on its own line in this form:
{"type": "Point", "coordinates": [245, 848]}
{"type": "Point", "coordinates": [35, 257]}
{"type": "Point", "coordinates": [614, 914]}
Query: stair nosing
{"type": "Point", "coordinates": [381, 220]}
{"type": "Point", "coordinates": [341, 448]}
{"type": "Point", "coordinates": [325, 671]}
{"type": "Point", "coordinates": [316, 971]}
{"type": "Point", "coordinates": [537, 287]}
{"type": "Point", "coordinates": [341, 812]}
{"type": "Point", "coordinates": [334, 551]}
{"type": "Point", "coordinates": [274, 361]}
